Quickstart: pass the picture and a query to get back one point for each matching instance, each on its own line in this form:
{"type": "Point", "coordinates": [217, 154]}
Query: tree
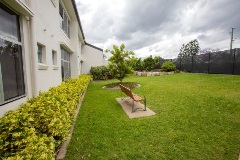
{"type": "Point", "coordinates": [190, 49]}
{"type": "Point", "coordinates": [157, 59]}
{"type": "Point", "coordinates": [182, 52]}
{"type": "Point", "coordinates": [150, 62]}
{"type": "Point", "coordinates": [118, 62]}
{"type": "Point", "coordinates": [139, 65]}
{"type": "Point", "coordinates": [132, 62]}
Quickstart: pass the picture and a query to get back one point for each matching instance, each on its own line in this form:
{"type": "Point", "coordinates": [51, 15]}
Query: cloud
{"type": "Point", "coordinates": [159, 27]}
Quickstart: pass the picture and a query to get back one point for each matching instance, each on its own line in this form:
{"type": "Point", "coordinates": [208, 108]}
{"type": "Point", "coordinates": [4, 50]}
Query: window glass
{"type": "Point", "coordinates": [65, 64]}
{"type": "Point", "coordinates": [54, 57]}
{"type": "Point", "coordinates": [64, 20]}
{"type": "Point", "coordinates": [11, 70]}
{"type": "Point", "coordinates": [39, 53]}
{"type": "Point", "coordinates": [9, 23]}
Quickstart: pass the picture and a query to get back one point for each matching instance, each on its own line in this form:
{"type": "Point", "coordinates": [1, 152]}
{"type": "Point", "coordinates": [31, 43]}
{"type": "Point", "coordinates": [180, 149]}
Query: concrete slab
{"type": "Point", "coordinates": [126, 105]}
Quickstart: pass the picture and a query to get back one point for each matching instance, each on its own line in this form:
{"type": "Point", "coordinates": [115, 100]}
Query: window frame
{"type": "Point", "coordinates": [43, 53]}
{"type": "Point", "coordinates": [19, 74]}
{"type": "Point", "coordinates": [54, 2]}
{"type": "Point", "coordinates": [64, 19]}
{"type": "Point", "coordinates": [54, 57]}
{"type": "Point", "coordinates": [65, 58]}
{"type": "Point", "coordinates": [40, 53]}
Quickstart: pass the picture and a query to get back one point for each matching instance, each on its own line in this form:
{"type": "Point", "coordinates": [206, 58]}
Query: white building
{"type": "Point", "coordinates": [41, 44]}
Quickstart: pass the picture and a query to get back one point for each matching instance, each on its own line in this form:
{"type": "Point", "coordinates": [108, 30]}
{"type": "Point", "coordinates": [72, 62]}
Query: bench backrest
{"type": "Point", "coordinates": [126, 90]}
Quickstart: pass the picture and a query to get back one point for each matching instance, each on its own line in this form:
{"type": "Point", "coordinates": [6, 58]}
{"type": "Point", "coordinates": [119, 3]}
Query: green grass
{"type": "Point", "coordinates": [198, 117]}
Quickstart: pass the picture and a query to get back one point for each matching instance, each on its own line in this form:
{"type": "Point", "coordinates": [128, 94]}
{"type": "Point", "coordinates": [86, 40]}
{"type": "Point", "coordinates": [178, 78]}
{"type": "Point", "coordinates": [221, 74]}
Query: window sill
{"type": "Point", "coordinates": [42, 66]}
{"type": "Point", "coordinates": [13, 99]}
{"type": "Point", "coordinates": [55, 67]}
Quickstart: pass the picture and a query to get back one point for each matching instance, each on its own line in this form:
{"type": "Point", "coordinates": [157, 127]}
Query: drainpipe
{"type": "Point", "coordinates": [33, 49]}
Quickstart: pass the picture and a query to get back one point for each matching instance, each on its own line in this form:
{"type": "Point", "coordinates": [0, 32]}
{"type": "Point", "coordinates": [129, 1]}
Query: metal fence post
{"type": "Point", "coordinates": [180, 64]}
{"type": "Point", "coordinates": [192, 65]}
{"type": "Point", "coordinates": [233, 70]}
{"type": "Point", "coordinates": [209, 62]}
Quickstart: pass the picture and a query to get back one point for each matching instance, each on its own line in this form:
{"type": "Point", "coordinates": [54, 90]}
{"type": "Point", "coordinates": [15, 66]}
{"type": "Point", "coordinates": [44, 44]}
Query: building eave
{"type": "Point", "coordinates": [78, 19]}
{"type": "Point", "coordinates": [20, 7]}
{"type": "Point", "coordinates": [90, 45]}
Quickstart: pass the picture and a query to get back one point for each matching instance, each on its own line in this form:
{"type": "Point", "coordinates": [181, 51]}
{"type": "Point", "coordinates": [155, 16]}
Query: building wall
{"type": "Point", "coordinates": [105, 62]}
{"type": "Point", "coordinates": [47, 30]}
{"type": "Point", "coordinates": [91, 57]}
{"type": "Point", "coordinates": [79, 52]}
{"type": "Point", "coordinates": [43, 27]}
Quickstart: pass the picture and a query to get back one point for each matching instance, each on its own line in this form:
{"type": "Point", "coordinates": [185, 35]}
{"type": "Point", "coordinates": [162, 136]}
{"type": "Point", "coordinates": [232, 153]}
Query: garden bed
{"type": "Point", "coordinates": [139, 73]}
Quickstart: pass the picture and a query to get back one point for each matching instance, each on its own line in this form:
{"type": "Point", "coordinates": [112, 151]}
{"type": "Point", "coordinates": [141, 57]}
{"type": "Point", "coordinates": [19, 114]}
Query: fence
{"type": "Point", "coordinates": [222, 62]}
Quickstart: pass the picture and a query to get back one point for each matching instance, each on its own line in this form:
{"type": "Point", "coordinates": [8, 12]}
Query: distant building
{"type": "Point", "coordinates": [41, 44]}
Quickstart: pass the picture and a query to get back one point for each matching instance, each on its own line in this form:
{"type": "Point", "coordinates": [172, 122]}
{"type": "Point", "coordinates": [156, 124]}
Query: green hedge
{"type": "Point", "coordinates": [36, 129]}
{"type": "Point", "coordinates": [100, 73]}
{"type": "Point", "coordinates": [168, 66]}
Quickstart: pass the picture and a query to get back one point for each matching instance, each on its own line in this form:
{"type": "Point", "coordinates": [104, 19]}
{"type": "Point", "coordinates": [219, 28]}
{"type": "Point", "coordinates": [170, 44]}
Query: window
{"type": "Point", "coordinates": [40, 53]}
{"type": "Point", "coordinates": [54, 57]}
{"type": "Point", "coordinates": [65, 64]}
{"type": "Point", "coordinates": [64, 20]}
{"type": "Point", "coordinates": [11, 67]}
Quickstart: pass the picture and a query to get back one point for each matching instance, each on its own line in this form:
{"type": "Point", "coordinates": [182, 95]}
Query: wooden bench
{"type": "Point", "coordinates": [134, 97]}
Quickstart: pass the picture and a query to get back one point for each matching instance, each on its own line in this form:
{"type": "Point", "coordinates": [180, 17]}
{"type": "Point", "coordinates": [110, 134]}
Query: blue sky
{"type": "Point", "coordinates": [160, 27]}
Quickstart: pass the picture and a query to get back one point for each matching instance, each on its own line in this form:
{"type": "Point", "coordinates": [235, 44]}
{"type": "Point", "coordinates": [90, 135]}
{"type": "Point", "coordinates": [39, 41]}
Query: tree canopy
{"type": "Point", "coordinates": [190, 49]}
{"type": "Point", "coordinates": [118, 62]}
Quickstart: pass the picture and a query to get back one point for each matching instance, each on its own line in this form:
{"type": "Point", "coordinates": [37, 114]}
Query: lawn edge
{"type": "Point", "coordinates": [63, 149]}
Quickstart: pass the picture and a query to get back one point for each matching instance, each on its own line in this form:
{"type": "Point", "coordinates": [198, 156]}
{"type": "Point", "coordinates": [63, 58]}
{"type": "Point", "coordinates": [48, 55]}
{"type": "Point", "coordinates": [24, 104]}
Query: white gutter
{"type": "Point", "coordinates": [33, 51]}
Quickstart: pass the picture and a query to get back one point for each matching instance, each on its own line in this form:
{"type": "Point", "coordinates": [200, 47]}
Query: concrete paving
{"type": "Point", "coordinates": [126, 105]}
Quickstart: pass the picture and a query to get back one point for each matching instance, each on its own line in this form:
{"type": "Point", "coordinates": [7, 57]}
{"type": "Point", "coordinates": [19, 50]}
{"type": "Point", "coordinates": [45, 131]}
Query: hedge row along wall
{"type": "Point", "coordinates": [36, 129]}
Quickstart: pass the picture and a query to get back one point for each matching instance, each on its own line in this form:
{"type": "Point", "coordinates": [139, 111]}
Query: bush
{"type": "Point", "coordinates": [100, 72]}
{"type": "Point", "coordinates": [168, 66]}
{"type": "Point", "coordinates": [38, 127]}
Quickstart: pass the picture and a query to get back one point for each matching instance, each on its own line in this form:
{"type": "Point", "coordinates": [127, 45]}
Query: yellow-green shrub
{"type": "Point", "coordinates": [43, 123]}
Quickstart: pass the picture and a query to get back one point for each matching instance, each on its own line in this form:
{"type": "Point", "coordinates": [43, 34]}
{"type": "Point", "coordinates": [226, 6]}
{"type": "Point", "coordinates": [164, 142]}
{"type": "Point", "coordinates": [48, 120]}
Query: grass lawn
{"type": "Point", "coordinates": [198, 117]}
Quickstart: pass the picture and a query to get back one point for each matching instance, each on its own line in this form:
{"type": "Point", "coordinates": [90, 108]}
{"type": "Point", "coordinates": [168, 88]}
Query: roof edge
{"type": "Point", "coordinates": [78, 18]}
{"type": "Point", "coordinates": [100, 49]}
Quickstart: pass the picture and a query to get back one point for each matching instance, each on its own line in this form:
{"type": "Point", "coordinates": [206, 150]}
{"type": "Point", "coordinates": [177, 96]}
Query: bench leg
{"type": "Point", "coordinates": [133, 106]}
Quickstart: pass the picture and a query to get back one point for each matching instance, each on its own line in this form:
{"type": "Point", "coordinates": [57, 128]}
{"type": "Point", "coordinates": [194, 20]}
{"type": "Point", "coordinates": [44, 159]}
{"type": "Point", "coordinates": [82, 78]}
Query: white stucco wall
{"type": "Point", "coordinates": [79, 54]}
{"type": "Point", "coordinates": [91, 57]}
{"type": "Point", "coordinates": [105, 62]}
{"type": "Point", "coordinates": [48, 34]}
{"type": "Point", "coordinates": [11, 106]}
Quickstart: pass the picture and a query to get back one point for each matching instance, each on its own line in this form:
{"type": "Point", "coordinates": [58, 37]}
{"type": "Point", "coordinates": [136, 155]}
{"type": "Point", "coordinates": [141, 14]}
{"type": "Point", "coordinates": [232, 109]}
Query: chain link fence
{"type": "Point", "coordinates": [222, 62]}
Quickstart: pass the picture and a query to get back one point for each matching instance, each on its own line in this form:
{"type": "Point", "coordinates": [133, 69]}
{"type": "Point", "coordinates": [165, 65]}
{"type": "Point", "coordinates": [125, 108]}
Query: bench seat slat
{"type": "Point", "coordinates": [137, 98]}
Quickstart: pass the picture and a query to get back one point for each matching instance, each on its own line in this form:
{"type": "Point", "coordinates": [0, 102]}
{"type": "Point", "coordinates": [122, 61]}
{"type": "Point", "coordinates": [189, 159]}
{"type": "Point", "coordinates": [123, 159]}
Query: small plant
{"type": "Point", "coordinates": [168, 66]}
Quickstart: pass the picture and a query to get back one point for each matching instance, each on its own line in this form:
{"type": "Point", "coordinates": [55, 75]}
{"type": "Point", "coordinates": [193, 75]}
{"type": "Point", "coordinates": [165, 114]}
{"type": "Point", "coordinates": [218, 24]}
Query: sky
{"type": "Point", "coordinates": [160, 27]}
